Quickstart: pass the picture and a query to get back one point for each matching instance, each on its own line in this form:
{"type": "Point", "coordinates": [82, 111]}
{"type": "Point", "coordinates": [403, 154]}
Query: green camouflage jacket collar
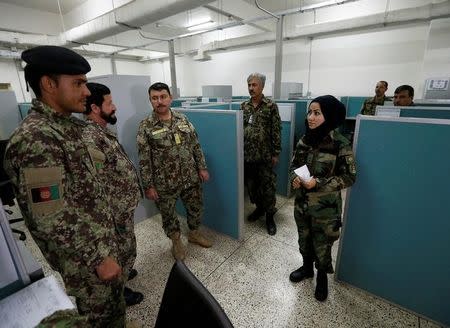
{"type": "Point", "coordinates": [175, 117]}
{"type": "Point", "coordinates": [264, 100]}
{"type": "Point", "coordinates": [101, 128]}
{"type": "Point", "coordinates": [50, 113]}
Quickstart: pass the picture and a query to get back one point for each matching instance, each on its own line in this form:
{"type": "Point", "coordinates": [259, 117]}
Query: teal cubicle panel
{"type": "Point", "coordinates": [438, 112]}
{"type": "Point", "coordinates": [301, 109]}
{"type": "Point", "coordinates": [287, 114]}
{"type": "Point", "coordinates": [223, 106]}
{"type": "Point", "coordinates": [353, 105]}
{"type": "Point", "coordinates": [395, 242]}
{"type": "Point", "coordinates": [221, 136]}
{"type": "Point", "coordinates": [420, 111]}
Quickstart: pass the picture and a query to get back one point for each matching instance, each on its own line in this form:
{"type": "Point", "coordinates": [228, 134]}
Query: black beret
{"type": "Point", "coordinates": [332, 109]}
{"type": "Point", "coordinates": [55, 60]}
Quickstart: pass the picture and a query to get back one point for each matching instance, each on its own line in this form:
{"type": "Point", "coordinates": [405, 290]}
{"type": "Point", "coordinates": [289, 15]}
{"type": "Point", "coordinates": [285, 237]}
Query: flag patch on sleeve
{"type": "Point", "coordinates": [45, 194]}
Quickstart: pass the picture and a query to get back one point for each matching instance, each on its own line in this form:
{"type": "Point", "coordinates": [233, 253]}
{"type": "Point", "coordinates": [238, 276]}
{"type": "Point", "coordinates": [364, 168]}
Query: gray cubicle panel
{"type": "Point", "coordinates": [221, 137]}
{"type": "Point", "coordinates": [395, 242]}
{"type": "Point", "coordinates": [418, 111]}
{"type": "Point", "coordinates": [130, 94]}
{"type": "Point", "coordinates": [301, 109]}
{"type": "Point", "coordinates": [9, 115]}
{"type": "Point", "coordinates": [432, 102]}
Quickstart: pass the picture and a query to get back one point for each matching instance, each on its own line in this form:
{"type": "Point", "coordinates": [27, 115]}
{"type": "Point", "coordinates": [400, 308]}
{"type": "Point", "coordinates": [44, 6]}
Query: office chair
{"type": "Point", "coordinates": [187, 303]}
{"type": "Point", "coordinates": [6, 190]}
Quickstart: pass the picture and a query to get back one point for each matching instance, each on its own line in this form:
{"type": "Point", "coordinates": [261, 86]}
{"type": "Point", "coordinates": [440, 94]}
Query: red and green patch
{"type": "Point", "coordinates": [45, 194]}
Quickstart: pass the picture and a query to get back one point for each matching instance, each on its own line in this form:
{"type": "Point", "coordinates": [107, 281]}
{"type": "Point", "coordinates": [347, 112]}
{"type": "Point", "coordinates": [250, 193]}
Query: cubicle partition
{"type": "Point", "coordinates": [415, 111]}
{"type": "Point", "coordinates": [287, 114]}
{"type": "Point", "coordinates": [395, 241]}
{"type": "Point", "coordinates": [221, 136]}
{"type": "Point", "coordinates": [301, 109]}
{"type": "Point", "coordinates": [353, 105]}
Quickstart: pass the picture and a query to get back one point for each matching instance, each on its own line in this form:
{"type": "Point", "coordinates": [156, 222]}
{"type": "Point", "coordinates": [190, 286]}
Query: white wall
{"type": "Point", "coordinates": [345, 64]}
{"type": "Point", "coordinates": [100, 66]}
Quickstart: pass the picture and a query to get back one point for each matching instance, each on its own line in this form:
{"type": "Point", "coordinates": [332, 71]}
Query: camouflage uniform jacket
{"type": "Point", "coordinates": [65, 207]}
{"type": "Point", "coordinates": [370, 105]}
{"type": "Point", "coordinates": [262, 131]}
{"type": "Point", "coordinates": [118, 172]}
{"type": "Point", "coordinates": [332, 165]}
{"type": "Point", "coordinates": [169, 156]}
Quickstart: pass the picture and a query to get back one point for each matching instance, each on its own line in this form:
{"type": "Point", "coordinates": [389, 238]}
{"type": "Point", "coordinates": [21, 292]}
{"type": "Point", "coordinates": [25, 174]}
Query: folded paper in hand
{"type": "Point", "coordinates": [303, 173]}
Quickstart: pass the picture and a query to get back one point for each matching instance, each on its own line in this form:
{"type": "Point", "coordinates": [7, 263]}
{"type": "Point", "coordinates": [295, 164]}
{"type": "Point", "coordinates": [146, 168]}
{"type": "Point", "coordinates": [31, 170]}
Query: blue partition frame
{"type": "Point", "coordinates": [395, 241]}
{"type": "Point", "coordinates": [301, 110]}
{"type": "Point", "coordinates": [221, 136]}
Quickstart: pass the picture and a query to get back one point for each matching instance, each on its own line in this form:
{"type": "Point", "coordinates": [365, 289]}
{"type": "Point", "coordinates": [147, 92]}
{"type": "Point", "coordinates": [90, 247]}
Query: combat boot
{"type": "Point", "coordinates": [270, 224]}
{"type": "Point", "coordinates": [196, 237]}
{"type": "Point", "coordinates": [305, 271]}
{"type": "Point", "coordinates": [178, 250]}
{"type": "Point", "coordinates": [256, 214]}
{"type": "Point", "coordinates": [321, 292]}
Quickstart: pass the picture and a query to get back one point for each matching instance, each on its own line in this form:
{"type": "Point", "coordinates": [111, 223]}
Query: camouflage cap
{"type": "Point", "coordinates": [55, 60]}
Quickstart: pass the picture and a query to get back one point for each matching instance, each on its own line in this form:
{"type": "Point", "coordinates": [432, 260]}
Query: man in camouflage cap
{"type": "Point", "coordinates": [370, 104]}
{"type": "Point", "coordinates": [172, 166]}
{"type": "Point", "coordinates": [55, 176]}
{"type": "Point", "coordinates": [262, 146]}
{"type": "Point", "coordinates": [119, 177]}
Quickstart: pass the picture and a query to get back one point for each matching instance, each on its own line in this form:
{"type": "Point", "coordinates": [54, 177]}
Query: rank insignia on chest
{"type": "Point", "coordinates": [45, 194]}
{"type": "Point", "coordinates": [177, 138]}
{"type": "Point", "coordinates": [159, 131]}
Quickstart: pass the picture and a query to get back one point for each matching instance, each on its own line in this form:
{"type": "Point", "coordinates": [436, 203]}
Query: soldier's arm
{"type": "Point", "coordinates": [363, 108]}
{"type": "Point", "coordinates": [345, 172]}
{"type": "Point", "coordinates": [276, 131]}
{"type": "Point", "coordinates": [145, 157]}
{"type": "Point", "coordinates": [295, 162]}
{"type": "Point", "coordinates": [60, 228]}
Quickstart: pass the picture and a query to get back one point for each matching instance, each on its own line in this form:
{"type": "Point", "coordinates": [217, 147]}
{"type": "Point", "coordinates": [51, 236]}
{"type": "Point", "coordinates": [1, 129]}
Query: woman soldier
{"type": "Point", "coordinates": [318, 203]}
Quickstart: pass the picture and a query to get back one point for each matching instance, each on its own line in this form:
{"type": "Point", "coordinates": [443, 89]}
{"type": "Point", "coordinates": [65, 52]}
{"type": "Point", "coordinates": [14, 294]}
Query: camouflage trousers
{"type": "Point", "coordinates": [127, 243]}
{"type": "Point", "coordinates": [260, 180]}
{"type": "Point", "coordinates": [192, 198]}
{"type": "Point", "coordinates": [316, 236]}
{"type": "Point", "coordinates": [102, 302]}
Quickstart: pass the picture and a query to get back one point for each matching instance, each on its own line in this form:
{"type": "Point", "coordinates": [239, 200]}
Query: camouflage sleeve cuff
{"type": "Point", "coordinates": [102, 250]}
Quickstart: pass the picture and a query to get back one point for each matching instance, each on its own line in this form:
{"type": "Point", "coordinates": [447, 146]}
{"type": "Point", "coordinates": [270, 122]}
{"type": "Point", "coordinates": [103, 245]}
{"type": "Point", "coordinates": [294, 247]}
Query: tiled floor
{"type": "Point", "coordinates": [249, 278]}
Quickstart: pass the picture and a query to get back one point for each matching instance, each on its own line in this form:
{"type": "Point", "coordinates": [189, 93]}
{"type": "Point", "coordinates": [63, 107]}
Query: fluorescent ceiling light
{"type": "Point", "coordinates": [202, 25]}
{"type": "Point", "coordinates": [322, 4]}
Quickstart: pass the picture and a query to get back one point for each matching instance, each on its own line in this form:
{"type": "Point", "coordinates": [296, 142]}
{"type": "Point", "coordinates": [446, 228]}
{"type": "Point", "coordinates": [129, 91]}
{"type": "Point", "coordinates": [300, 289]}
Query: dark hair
{"type": "Point", "coordinates": [33, 78]}
{"type": "Point", "coordinates": [159, 86]}
{"type": "Point", "coordinates": [405, 87]}
{"type": "Point", "coordinates": [97, 92]}
{"type": "Point", "coordinates": [385, 84]}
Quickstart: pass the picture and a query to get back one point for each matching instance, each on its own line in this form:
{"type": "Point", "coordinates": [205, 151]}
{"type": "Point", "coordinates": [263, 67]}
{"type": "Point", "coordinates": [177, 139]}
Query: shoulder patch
{"type": "Point", "coordinates": [44, 189]}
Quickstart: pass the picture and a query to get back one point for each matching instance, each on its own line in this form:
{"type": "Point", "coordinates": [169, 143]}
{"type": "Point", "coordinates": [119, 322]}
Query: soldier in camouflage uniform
{"type": "Point", "coordinates": [318, 203]}
{"type": "Point", "coordinates": [262, 146]}
{"type": "Point", "coordinates": [119, 177]}
{"type": "Point", "coordinates": [172, 166]}
{"type": "Point", "coordinates": [55, 176]}
{"type": "Point", "coordinates": [370, 104]}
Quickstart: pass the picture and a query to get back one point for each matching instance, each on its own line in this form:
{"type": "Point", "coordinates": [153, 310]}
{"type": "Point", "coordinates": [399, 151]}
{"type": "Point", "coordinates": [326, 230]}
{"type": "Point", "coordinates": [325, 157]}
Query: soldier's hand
{"type": "Point", "coordinates": [309, 184]}
{"type": "Point", "coordinates": [152, 194]}
{"type": "Point", "coordinates": [108, 270]}
{"type": "Point", "coordinates": [296, 183]}
{"type": "Point", "coordinates": [274, 160]}
{"type": "Point", "coordinates": [203, 175]}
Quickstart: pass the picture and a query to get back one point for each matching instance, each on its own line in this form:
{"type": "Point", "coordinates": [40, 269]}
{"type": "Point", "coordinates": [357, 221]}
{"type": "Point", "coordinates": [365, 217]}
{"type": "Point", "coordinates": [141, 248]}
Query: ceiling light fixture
{"type": "Point", "coordinates": [202, 25]}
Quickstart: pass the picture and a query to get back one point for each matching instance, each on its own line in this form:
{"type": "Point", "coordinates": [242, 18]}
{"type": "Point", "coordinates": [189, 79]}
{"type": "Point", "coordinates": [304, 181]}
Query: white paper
{"type": "Point", "coordinates": [27, 307]}
{"type": "Point", "coordinates": [303, 173]}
